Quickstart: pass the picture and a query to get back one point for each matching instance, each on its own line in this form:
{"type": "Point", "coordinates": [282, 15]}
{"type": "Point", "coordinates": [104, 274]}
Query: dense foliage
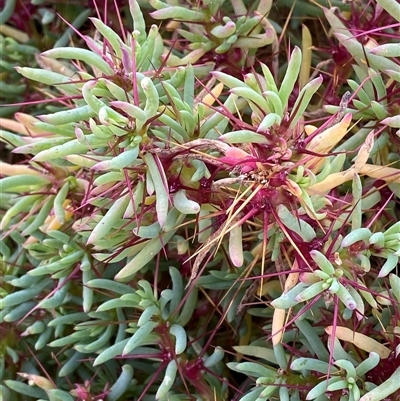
{"type": "Point", "coordinates": [200, 201]}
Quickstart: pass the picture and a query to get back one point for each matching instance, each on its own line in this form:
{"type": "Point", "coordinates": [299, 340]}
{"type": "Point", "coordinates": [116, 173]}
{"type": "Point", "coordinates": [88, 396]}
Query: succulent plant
{"type": "Point", "coordinates": [179, 232]}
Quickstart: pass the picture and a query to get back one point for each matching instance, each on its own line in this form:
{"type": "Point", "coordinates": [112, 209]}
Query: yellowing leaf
{"type": "Point", "coordinates": [363, 153]}
{"type": "Point", "coordinates": [359, 340]}
{"type": "Point", "coordinates": [278, 322]}
{"type": "Point", "coordinates": [291, 281]}
{"type": "Point", "coordinates": [28, 122]}
{"type": "Point", "coordinates": [52, 222]}
{"type": "Point", "coordinates": [336, 179]}
{"type": "Point", "coordinates": [209, 99]}
{"type": "Point", "coordinates": [168, 111]}
{"type": "Point", "coordinates": [16, 169]}
{"type": "Point", "coordinates": [326, 140]}
{"type": "Point", "coordinates": [268, 287]}
{"type": "Point", "coordinates": [388, 174]}
{"type": "Point", "coordinates": [309, 129]}
{"type": "Point", "coordinates": [39, 381]}
{"type": "Point", "coordinates": [14, 126]}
